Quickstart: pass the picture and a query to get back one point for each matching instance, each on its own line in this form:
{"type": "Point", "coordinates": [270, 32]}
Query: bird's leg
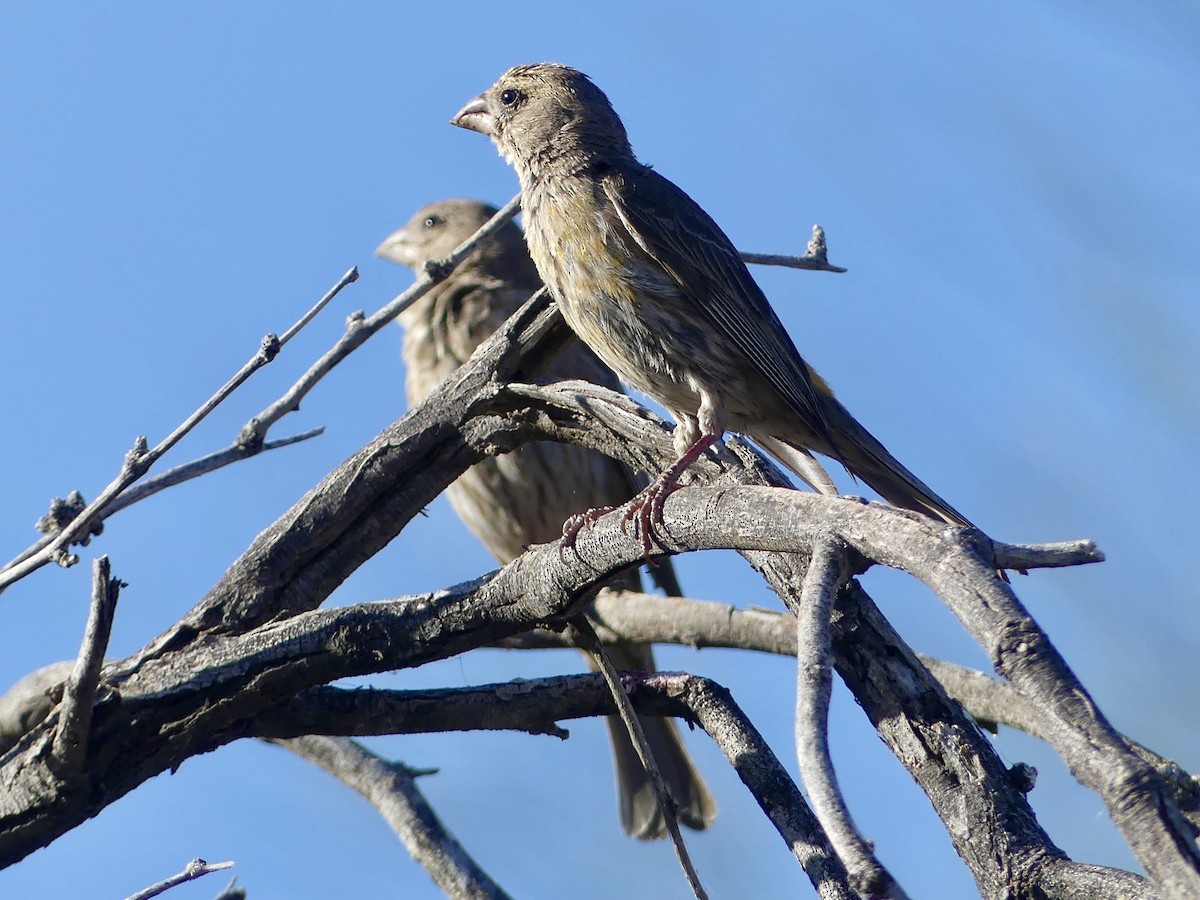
{"type": "Point", "coordinates": [647, 505]}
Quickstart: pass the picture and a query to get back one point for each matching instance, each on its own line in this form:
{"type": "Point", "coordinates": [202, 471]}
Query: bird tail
{"type": "Point", "coordinates": [866, 458]}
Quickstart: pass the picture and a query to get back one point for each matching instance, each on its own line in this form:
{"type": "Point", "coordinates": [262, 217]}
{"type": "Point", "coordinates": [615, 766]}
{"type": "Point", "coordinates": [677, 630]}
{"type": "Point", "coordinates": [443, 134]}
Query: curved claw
{"type": "Point", "coordinates": [576, 524]}
{"type": "Point", "coordinates": [647, 509]}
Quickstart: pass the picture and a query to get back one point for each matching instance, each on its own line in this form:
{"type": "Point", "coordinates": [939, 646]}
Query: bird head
{"type": "Point", "coordinates": [544, 113]}
{"type": "Point", "coordinates": [435, 230]}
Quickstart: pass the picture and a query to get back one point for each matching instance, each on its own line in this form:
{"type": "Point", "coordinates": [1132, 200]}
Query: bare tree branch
{"type": "Point", "coordinates": [350, 277]}
{"type": "Point", "coordinates": [652, 618]}
{"type": "Point", "coordinates": [257, 639]}
{"type": "Point", "coordinates": [139, 459]}
{"type": "Point", "coordinates": [392, 789]}
{"type": "Point", "coordinates": [202, 466]}
{"type": "Point", "coordinates": [197, 868]}
{"type": "Point", "coordinates": [62, 511]}
{"type": "Point", "coordinates": [243, 673]}
{"type": "Point", "coordinates": [70, 742]}
{"type": "Point", "coordinates": [815, 256]}
{"type": "Point", "coordinates": [536, 705]}
{"type": "Point", "coordinates": [827, 570]}
{"type": "Point", "coordinates": [359, 329]}
{"type": "Point", "coordinates": [1045, 556]}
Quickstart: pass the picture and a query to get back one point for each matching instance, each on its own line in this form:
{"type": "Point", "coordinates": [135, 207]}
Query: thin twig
{"type": "Point", "coordinates": [814, 257]}
{"type": "Point", "coordinates": [392, 789]}
{"type": "Point", "coordinates": [197, 868]}
{"type": "Point", "coordinates": [70, 741]}
{"type": "Point", "coordinates": [814, 655]}
{"type": "Point", "coordinates": [350, 277]}
{"type": "Point", "coordinates": [1046, 556]}
{"type": "Point", "coordinates": [139, 459]}
{"type": "Point", "coordinates": [666, 803]}
{"type": "Point", "coordinates": [177, 475]}
{"type": "Point", "coordinates": [202, 466]}
{"type": "Point", "coordinates": [360, 328]}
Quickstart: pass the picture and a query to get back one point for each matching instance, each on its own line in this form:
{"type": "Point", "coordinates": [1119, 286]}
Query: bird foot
{"type": "Point", "coordinates": [646, 508]}
{"type": "Point", "coordinates": [576, 524]}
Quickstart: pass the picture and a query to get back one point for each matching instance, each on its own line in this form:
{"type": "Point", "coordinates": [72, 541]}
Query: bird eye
{"type": "Point", "coordinates": [509, 96]}
{"type": "Point", "coordinates": [433, 221]}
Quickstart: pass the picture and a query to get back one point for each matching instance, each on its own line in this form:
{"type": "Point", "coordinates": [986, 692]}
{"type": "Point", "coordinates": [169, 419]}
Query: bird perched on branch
{"type": "Point", "coordinates": [656, 289]}
{"type": "Point", "coordinates": [524, 497]}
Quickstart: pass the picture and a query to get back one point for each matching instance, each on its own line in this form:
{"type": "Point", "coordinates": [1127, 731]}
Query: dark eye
{"type": "Point", "coordinates": [509, 97]}
{"type": "Point", "coordinates": [433, 221]}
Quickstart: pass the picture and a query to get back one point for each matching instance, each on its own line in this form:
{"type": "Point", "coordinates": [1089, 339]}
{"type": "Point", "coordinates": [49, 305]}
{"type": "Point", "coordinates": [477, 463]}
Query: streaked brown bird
{"type": "Point", "coordinates": [524, 497]}
{"type": "Point", "coordinates": [650, 282]}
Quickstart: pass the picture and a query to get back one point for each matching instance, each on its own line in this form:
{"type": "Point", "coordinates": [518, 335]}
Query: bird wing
{"type": "Point", "coordinates": [682, 238]}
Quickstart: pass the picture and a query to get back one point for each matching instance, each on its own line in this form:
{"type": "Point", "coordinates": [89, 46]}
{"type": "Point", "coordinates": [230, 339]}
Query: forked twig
{"type": "Point", "coordinates": [359, 328]}
{"type": "Point", "coordinates": [139, 459]}
{"type": "Point", "coordinates": [197, 868]}
{"type": "Point", "coordinates": [151, 486]}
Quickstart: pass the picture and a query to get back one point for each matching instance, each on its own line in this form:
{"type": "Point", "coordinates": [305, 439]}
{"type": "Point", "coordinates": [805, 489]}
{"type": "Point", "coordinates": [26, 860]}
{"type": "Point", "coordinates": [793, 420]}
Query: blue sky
{"type": "Point", "coordinates": [1014, 190]}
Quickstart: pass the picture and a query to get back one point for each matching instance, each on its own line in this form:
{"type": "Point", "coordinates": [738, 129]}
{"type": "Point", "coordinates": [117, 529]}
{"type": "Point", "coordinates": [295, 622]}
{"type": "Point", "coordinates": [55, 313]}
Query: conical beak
{"type": "Point", "coordinates": [475, 117]}
{"type": "Point", "coordinates": [398, 248]}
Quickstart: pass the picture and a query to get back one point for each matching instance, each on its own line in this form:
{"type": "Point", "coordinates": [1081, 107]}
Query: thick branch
{"type": "Point", "coordinates": [170, 711]}
{"type": "Point", "coordinates": [363, 504]}
{"type": "Point", "coordinates": [536, 705]}
{"type": "Point", "coordinates": [167, 711]}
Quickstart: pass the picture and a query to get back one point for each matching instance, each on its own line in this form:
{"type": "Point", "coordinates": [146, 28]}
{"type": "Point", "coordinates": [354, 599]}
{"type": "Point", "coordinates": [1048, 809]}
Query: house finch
{"type": "Point", "coordinates": [656, 289]}
{"type": "Point", "coordinates": [524, 497]}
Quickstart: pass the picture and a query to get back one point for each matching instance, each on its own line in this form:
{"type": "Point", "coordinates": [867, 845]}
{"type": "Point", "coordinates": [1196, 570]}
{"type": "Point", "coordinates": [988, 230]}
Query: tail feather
{"type": "Point", "coordinates": [866, 458]}
{"type": "Point", "coordinates": [802, 463]}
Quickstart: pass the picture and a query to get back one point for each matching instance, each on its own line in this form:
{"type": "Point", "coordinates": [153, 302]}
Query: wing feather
{"type": "Point", "coordinates": [681, 237]}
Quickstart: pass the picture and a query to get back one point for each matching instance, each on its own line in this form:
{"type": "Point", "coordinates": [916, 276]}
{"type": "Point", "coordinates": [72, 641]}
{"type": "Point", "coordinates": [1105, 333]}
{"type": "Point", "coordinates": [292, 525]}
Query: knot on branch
{"type": "Point", "coordinates": [270, 346]}
{"type": "Point", "coordinates": [250, 438]}
{"type": "Point", "coordinates": [1023, 777]}
{"type": "Point", "coordinates": [62, 513]}
{"type": "Point", "coordinates": [817, 250]}
{"type": "Point", "coordinates": [137, 459]}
